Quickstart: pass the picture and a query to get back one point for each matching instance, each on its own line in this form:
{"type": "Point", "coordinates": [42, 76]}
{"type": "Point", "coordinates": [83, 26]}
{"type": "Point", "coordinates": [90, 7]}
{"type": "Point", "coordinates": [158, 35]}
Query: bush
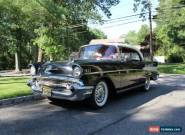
{"type": "Point", "coordinates": [175, 58]}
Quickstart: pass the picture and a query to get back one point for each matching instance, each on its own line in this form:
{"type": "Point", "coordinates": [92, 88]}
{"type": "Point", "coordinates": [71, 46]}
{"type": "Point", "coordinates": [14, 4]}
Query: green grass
{"type": "Point", "coordinates": [172, 68]}
{"type": "Point", "coordinates": [13, 87]}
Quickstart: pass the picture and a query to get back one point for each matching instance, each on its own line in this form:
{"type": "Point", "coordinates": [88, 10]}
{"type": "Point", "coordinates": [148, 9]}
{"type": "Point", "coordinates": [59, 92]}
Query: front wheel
{"type": "Point", "coordinates": [146, 86]}
{"type": "Point", "coordinates": [100, 95]}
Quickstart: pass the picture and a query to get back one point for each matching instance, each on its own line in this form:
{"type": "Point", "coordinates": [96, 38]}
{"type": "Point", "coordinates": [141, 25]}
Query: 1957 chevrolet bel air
{"type": "Point", "coordinates": [99, 71]}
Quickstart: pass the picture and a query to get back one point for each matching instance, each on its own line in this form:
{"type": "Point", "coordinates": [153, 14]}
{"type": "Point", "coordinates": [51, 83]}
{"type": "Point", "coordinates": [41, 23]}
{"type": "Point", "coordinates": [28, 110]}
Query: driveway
{"type": "Point", "coordinates": [130, 113]}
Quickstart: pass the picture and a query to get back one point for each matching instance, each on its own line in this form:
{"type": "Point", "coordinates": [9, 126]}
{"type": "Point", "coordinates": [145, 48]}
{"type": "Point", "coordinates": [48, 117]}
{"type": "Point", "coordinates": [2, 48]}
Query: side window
{"type": "Point", "coordinates": [135, 56]}
{"type": "Point", "coordinates": [125, 54]}
{"type": "Point", "coordinates": [128, 54]}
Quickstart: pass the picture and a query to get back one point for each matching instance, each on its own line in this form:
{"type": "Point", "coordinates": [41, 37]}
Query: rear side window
{"type": "Point", "coordinates": [128, 54]}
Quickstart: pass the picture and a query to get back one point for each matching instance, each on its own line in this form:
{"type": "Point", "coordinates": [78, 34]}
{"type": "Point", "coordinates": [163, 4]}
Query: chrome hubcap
{"type": "Point", "coordinates": [147, 84]}
{"type": "Point", "coordinates": [101, 94]}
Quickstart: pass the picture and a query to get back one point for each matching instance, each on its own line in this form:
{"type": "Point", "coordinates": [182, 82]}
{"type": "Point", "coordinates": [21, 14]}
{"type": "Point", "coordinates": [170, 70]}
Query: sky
{"type": "Point", "coordinates": [125, 8]}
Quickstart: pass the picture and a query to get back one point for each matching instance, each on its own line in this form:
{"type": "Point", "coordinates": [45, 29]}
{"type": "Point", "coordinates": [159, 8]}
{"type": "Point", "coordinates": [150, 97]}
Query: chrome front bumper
{"type": "Point", "coordinates": [74, 92]}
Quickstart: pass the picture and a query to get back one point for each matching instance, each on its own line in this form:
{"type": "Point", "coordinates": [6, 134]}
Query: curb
{"type": "Point", "coordinates": [18, 100]}
{"type": "Point", "coordinates": [12, 75]}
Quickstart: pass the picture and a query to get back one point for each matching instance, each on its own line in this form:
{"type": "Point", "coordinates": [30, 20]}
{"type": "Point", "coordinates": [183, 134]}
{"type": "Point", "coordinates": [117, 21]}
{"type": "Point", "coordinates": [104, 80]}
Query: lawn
{"type": "Point", "coordinates": [172, 68]}
{"type": "Point", "coordinates": [13, 87]}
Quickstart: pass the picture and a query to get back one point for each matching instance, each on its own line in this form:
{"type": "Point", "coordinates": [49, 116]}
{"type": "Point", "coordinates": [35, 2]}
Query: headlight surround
{"type": "Point", "coordinates": [33, 70]}
{"type": "Point", "coordinates": [77, 72]}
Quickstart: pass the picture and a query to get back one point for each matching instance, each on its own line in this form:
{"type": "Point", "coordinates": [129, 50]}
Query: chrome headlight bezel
{"type": "Point", "coordinates": [33, 70]}
{"type": "Point", "coordinates": [77, 72]}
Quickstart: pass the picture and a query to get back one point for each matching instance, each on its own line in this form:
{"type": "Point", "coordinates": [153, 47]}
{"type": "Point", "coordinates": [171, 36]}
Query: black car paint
{"type": "Point", "coordinates": [121, 74]}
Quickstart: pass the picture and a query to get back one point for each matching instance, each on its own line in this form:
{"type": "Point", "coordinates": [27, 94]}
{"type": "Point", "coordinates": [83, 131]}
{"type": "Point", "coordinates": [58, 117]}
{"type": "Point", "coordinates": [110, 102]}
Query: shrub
{"type": "Point", "coordinates": [175, 58]}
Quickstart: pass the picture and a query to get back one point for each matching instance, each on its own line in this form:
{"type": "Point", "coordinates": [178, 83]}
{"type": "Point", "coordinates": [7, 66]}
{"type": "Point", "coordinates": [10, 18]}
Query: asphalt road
{"type": "Point", "coordinates": [130, 113]}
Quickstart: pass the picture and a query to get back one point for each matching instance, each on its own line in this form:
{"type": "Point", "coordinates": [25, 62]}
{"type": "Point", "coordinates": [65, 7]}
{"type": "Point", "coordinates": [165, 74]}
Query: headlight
{"type": "Point", "coordinates": [33, 70]}
{"type": "Point", "coordinates": [77, 72]}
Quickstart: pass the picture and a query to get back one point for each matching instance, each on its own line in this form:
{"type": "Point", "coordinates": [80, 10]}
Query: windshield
{"type": "Point", "coordinates": [98, 52]}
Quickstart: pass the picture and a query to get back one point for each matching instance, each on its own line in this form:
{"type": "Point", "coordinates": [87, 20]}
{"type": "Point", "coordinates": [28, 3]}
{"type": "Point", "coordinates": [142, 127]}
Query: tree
{"type": "Point", "coordinates": [170, 28]}
{"type": "Point", "coordinates": [55, 27]}
{"type": "Point", "coordinates": [137, 38]}
{"type": "Point", "coordinates": [142, 33]}
{"type": "Point", "coordinates": [143, 5]}
{"type": "Point", "coordinates": [15, 33]}
{"type": "Point", "coordinates": [98, 34]}
{"type": "Point", "coordinates": [131, 38]}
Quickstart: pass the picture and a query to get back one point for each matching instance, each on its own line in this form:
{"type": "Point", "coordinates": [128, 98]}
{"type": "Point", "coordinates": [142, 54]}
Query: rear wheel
{"type": "Point", "coordinates": [100, 95]}
{"type": "Point", "coordinates": [155, 77]}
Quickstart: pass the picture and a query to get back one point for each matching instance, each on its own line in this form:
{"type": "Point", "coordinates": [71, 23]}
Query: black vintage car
{"type": "Point", "coordinates": [99, 71]}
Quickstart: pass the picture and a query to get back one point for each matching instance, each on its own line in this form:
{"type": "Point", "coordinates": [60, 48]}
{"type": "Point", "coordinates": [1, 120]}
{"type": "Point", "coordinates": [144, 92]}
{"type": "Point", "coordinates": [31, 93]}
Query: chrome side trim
{"type": "Point", "coordinates": [113, 71]}
{"type": "Point", "coordinates": [93, 73]}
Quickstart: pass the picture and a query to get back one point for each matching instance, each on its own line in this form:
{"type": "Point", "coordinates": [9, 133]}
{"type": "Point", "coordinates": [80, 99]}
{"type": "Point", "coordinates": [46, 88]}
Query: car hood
{"type": "Point", "coordinates": [58, 68]}
{"type": "Point", "coordinates": [66, 68]}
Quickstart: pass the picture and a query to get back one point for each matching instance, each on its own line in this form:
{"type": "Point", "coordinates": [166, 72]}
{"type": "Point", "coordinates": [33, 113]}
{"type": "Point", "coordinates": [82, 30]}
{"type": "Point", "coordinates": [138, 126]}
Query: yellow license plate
{"type": "Point", "coordinates": [46, 91]}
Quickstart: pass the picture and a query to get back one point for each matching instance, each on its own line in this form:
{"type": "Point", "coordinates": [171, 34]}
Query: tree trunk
{"type": "Point", "coordinates": [40, 53]}
{"type": "Point", "coordinates": [51, 57]}
{"type": "Point", "coordinates": [17, 62]}
{"type": "Point", "coordinates": [18, 50]}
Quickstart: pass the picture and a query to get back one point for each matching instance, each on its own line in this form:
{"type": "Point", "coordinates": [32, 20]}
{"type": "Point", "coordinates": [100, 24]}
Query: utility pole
{"type": "Point", "coordinates": [150, 22]}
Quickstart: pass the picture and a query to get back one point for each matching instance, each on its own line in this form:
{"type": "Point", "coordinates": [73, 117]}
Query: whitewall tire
{"type": "Point", "coordinates": [100, 95]}
{"type": "Point", "coordinates": [147, 84]}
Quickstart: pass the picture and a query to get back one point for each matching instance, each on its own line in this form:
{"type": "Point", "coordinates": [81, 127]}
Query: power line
{"type": "Point", "coordinates": [122, 24]}
{"type": "Point", "coordinates": [108, 21]}
{"type": "Point", "coordinates": [80, 32]}
{"type": "Point", "coordinates": [116, 20]}
{"type": "Point", "coordinates": [125, 16]}
{"type": "Point", "coordinates": [120, 19]}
